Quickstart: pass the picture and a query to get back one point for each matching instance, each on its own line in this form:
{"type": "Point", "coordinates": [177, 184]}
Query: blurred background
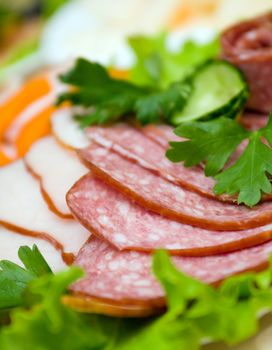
{"type": "Point", "coordinates": [35, 34]}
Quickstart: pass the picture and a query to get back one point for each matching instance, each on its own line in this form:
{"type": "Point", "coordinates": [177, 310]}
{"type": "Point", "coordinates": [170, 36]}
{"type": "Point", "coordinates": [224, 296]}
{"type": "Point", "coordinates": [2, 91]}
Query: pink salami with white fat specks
{"type": "Point", "coordinates": [160, 133]}
{"type": "Point", "coordinates": [110, 215]}
{"type": "Point", "coordinates": [134, 145]}
{"type": "Point", "coordinates": [158, 195]}
{"type": "Point", "coordinates": [127, 276]}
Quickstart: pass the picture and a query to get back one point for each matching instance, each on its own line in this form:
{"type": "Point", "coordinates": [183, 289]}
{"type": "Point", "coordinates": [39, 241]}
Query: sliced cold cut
{"type": "Point", "coordinates": [161, 134]}
{"type": "Point", "coordinates": [253, 121]}
{"type": "Point", "coordinates": [110, 215]}
{"type": "Point", "coordinates": [23, 210]}
{"type": "Point", "coordinates": [66, 130]}
{"type": "Point", "coordinates": [57, 169]}
{"type": "Point", "coordinates": [11, 242]}
{"type": "Point", "coordinates": [248, 45]}
{"type": "Point", "coordinates": [169, 200]}
{"type": "Point", "coordinates": [134, 145]}
{"type": "Point", "coordinates": [126, 277]}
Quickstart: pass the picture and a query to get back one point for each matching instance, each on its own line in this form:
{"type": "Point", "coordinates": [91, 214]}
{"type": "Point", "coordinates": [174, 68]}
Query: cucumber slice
{"type": "Point", "coordinates": [218, 89]}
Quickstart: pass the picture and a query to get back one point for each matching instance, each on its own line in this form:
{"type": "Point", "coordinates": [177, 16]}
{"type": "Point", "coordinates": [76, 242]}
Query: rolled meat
{"type": "Point", "coordinates": [248, 45]}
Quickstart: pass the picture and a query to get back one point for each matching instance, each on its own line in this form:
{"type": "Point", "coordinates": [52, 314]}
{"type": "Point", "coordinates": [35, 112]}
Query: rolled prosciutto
{"type": "Point", "coordinates": [248, 45]}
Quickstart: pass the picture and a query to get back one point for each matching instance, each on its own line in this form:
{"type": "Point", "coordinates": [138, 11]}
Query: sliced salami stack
{"type": "Point", "coordinates": [134, 201]}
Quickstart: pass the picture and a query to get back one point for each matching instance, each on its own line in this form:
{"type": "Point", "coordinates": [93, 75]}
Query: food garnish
{"type": "Point", "coordinates": [108, 100]}
{"type": "Point", "coordinates": [214, 142]}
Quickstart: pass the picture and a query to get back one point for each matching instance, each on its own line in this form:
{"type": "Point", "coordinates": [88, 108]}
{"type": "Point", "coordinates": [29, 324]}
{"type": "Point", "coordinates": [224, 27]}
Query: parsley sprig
{"type": "Point", "coordinates": [214, 142]}
{"type": "Point", "coordinates": [110, 99]}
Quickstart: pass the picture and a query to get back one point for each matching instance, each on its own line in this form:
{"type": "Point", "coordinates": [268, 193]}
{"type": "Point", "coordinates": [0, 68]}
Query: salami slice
{"type": "Point", "coordinates": [134, 145]}
{"type": "Point", "coordinates": [110, 215]}
{"type": "Point", "coordinates": [248, 45]}
{"type": "Point", "coordinates": [126, 277]}
{"type": "Point", "coordinates": [169, 200]}
{"type": "Point", "coordinates": [253, 121]}
{"type": "Point", "coordinates": [160, 133]}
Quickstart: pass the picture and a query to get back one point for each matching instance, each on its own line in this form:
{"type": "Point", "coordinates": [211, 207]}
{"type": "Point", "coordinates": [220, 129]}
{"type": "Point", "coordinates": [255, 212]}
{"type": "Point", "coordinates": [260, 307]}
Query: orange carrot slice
{"type": "Point", "coordinates": [31, 91]}
{"type": "Point", "coordinates": [119, 73]}
{"type": "Point", "coordinates": [33, 130]}
{"type": "Point", "coordinates": [4, 159]}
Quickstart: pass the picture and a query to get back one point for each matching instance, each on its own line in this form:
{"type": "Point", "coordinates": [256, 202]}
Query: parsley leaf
{"type": "Point", "coordinates": [250, 175]}
{"type": "Point", "coordinates": [110, 99]}
{"type": "Point", "coordinates": [165, 103]}
{"type": "Point", "coordinates": [15, 279]}
{"type": "Point", "coordinates": [214, 142]}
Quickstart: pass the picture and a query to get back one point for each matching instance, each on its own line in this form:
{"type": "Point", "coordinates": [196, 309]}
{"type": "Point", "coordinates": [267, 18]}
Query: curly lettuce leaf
{"type": "Point", "coordinates": [157, 65]}
{"type": "Point", "coordinates": [50, 325]}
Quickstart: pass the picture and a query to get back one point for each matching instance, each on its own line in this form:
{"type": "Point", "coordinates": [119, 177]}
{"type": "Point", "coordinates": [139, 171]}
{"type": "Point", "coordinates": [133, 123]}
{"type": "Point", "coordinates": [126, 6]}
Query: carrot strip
{"type": "Point", "coordinates": [191, 10]}
{"type": "Point", "coordinates": [31, 91]}
{"type": "Point", "coordinates": [33, 130]}
{"type": "Point", "coordinates": [119, 73]}
{"type": "Point", "coordinates": [4, 159]}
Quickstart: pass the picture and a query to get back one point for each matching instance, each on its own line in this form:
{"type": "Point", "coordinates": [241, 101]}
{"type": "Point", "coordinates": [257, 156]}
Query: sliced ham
{"type": "Point", "coordinates": [11, 242]}
{"type": "Point", "coordinates": [67, 131]}
{"type": "Point", "coordinates": [126, 277]}
{"type": "Point", "coordinates": [110, 215]}
{"type": "Point", "coordinates": [248, 45]}
{"type": "Point", "coordinates": [23, 210]}
{"type": "Point", "coordinates": [169, 200]}
{"type": "Point", "coordinates": [58, 169]}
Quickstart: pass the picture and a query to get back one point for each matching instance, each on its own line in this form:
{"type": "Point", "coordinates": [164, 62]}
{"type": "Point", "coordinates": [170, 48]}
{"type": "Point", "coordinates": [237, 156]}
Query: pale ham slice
{"type": "Point", "coordinates": [58, 169]}
{"type": "Point", "coordinates": [11, 242]}
{"type": "Point", "coordinates": [23, 210]}
{"type": "Point", "coordinates": [67, 131]}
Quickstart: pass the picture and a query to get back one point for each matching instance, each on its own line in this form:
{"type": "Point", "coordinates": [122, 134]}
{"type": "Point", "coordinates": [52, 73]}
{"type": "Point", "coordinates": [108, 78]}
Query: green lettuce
{"type": "Point", "coordinates": [156, 65]}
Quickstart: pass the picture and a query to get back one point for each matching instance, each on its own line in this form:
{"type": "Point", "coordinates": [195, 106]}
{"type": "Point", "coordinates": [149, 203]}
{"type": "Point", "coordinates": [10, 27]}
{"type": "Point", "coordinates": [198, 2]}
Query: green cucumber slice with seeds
{"type": "Point", "coordinates": [218, 88]}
